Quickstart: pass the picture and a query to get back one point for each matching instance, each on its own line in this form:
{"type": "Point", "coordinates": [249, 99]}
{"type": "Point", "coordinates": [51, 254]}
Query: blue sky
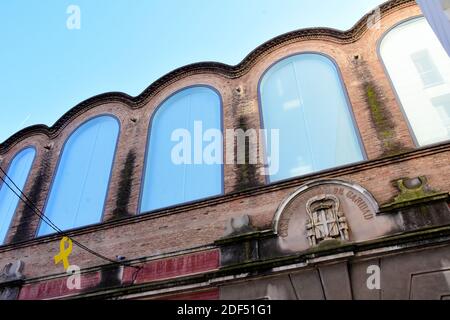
{"type": "Point", "coordinates": [125, 45]}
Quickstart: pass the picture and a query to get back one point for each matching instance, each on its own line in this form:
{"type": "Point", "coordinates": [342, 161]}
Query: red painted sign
{"type": "Point", "coordinates": [174, 267]}
{"type": "Point", "coordinates": [157, 270]}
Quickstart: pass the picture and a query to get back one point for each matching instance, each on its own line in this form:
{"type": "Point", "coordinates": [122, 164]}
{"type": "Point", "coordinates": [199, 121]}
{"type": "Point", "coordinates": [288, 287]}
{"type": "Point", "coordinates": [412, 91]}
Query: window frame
{"type": "Point", "coordinates": [147, 150]}
{"type": "Point", "coordinates": [394, 90]}
{"type": "Point", "coordinates": [434, 69]}
{"type": "Point", "coordinates": [347, 100]}
{"type": "Point", "coordinates": [2, 243]}
{"type": "Point", "coordinates": [57, 167]}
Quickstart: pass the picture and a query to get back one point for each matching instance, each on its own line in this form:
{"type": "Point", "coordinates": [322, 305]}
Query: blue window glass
{"type": "Point", "coordinates": [18, 172]}
{"type": "Point", "coordinates": [419, 69]}
{"type": "Point", "coordinates": [168, 182]}
{"type": "Point", "coordinates": [80, 186]}
{"type": "Point", "coordinates": [302, 97]}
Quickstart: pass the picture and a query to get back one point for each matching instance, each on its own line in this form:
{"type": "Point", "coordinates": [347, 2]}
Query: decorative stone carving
{"type": "Point", "coordinates": [11, 280]}
{"type": "Point", "coordinates": [325, 221]}
{"type": "Point", "coordinates": [413, 191]}
{"type": "Point", "coordinates": [328, 209]}
{"type": "Point", "coordinates": [238, 225]}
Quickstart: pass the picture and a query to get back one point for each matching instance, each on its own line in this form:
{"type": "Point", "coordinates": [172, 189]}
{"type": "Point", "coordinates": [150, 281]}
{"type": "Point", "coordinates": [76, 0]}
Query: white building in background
{"type": "Point", "coordinates": [437, 13]}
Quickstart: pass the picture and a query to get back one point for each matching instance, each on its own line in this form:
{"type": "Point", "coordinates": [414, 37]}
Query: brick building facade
{"type": "Point", "coordinates": [254, 241]}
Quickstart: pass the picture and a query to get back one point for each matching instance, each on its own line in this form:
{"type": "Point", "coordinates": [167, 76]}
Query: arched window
{"type": "Point", "coordinates": [185, 150]}
{"type": "Point", "coordinates": [303, 97]}
{"type": "Point", "coordinates": [18, 172]}
{"type": "Point", "coordinates": [419, 69]}
{"type": "Point", "coordinates": [80, 186]}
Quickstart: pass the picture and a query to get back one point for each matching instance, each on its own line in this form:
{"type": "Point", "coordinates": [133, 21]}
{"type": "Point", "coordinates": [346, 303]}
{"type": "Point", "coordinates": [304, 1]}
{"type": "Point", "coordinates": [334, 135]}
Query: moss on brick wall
{"type": "Point", "coordinates": [380, 115]}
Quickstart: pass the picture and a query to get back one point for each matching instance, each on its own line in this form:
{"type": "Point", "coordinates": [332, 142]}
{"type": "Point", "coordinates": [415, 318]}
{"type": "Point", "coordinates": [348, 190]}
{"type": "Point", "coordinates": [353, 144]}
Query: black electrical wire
{"type": "Point", "coordinates": [42, 216]}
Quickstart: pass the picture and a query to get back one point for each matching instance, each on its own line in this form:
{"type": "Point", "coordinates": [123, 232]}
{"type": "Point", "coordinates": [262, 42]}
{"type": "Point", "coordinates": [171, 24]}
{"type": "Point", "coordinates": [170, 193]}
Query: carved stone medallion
{"type": "Point", "coordinates": [327, 210]}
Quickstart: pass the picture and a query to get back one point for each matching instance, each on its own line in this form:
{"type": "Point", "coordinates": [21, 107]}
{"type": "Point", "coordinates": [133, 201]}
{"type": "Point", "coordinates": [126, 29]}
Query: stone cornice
{"type": "Point", "coordinates": [324, 34]}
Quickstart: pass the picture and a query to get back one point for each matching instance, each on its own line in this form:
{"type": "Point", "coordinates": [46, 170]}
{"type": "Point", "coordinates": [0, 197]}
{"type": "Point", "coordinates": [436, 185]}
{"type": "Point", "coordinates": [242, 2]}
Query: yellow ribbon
{"type": "Point", "coordinates": [64, 252]}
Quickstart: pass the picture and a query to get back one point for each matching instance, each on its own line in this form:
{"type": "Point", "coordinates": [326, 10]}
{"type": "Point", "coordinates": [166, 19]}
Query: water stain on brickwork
{"type": "Point", "coordinates": [124, 190]}
{"type": "Point", "coordinates": [247, 174]}
{"type": "Point", "coordinates": [25, 228]}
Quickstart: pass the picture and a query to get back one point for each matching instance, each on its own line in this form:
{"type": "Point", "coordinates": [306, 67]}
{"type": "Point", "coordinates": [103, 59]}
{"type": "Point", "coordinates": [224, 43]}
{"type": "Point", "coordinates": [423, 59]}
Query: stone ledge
{"type": "Point", "coordinates": [389, 208]}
